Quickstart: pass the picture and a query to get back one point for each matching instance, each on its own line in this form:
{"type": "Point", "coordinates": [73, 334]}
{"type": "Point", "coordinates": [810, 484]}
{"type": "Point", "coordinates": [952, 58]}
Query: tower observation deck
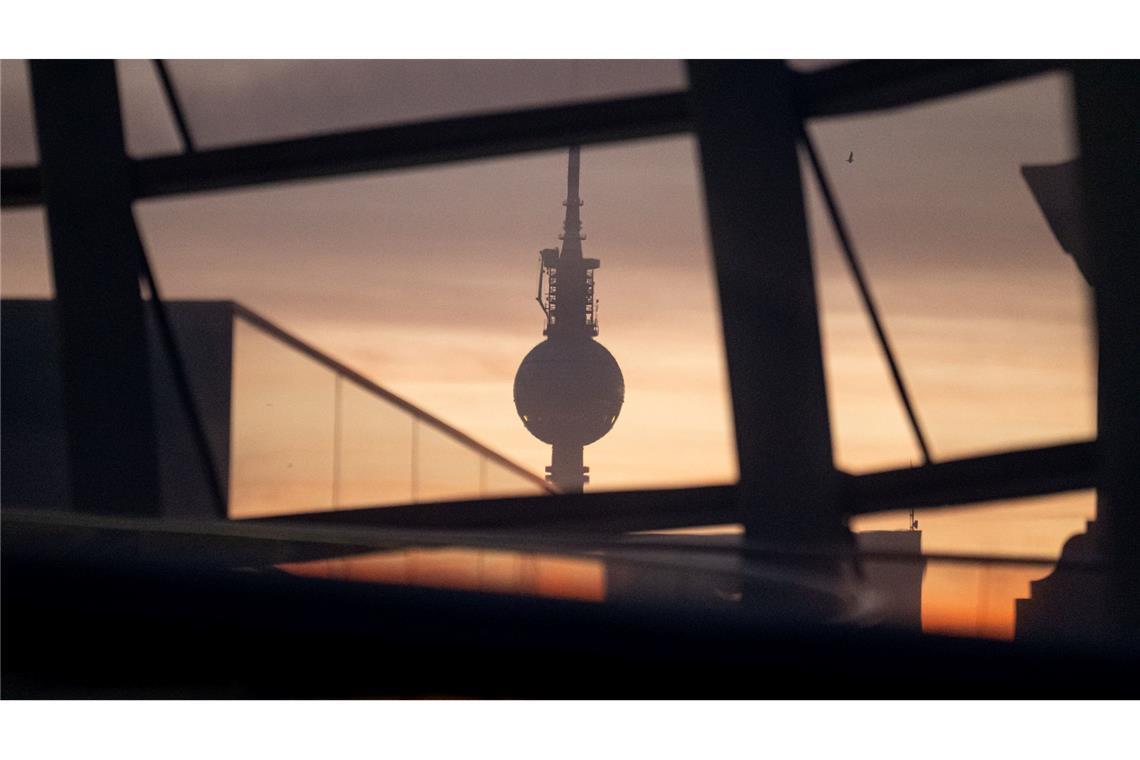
{"type": "Point", "coordinates": [569, 389]}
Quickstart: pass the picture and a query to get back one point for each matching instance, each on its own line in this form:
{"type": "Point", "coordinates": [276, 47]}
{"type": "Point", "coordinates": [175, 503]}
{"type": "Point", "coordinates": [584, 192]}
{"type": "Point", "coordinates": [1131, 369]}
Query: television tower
{"type": "Point", "coordinates": [569, 388]}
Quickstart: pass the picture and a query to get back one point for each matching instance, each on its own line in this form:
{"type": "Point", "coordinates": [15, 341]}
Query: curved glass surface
{"type": "Point", "coordinates": [987, 314]}
{"type": "Point", "coordinates": [239, 101]}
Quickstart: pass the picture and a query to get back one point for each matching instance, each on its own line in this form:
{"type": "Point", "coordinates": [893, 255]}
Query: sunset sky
{"type": "Point", "coordinates": [423, 280]}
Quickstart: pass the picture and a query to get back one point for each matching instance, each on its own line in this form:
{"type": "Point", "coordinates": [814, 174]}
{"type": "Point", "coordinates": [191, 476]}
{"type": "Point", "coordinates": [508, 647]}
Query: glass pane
{"type": "Point", "coordinates": [148, 123]}
{"type": "Point", "coordinates": [231, 102]}
{"type": "Point", "coordinates": [1035, 527]}
{"type": "Point", "coordinates": [425, 284]}
{"type": "Point", "coordinates": [500, 481]}
{"type": "Point", "coordinates": [987, 314]}
{"type": "Point", "coordinates": [281, 440]}
{"type": "Point", "coordinates": [375, 450]}
{"type": "Point", "coordinates": [24, 258]}
{"type": "Point", "coordinates": [17, 125]}
{"type": "Point", "coordinates": [445, 468]}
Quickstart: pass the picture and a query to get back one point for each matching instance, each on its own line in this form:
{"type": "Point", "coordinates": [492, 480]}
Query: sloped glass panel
{"type": "Point", "coordinates": [446, 469]}
{"type": "Point", "coordinates": [374, 454]}
{"type": "Point", "coordinates": [501, 481]}
{"type": "Point", "coordinates": [282, 434]}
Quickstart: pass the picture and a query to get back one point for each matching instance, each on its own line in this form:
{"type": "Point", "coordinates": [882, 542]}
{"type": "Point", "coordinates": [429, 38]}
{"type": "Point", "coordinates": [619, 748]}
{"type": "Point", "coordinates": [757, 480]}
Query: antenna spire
{"type": "Point", "coordinates": [572, 226]}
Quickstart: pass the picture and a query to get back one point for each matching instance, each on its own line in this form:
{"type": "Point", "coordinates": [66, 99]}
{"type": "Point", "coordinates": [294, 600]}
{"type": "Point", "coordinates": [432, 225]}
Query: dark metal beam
{"type": "Point", "coordinates": [864, 289]}
{"type": "Point", "coordinates": [992, 477]}
{"type": "Point", "coordinates": [848, 88]}
{"type": "Point", "coordinates": [612, 512]}
{"type": "Point", "coordinates": [391, 147]}
{"type": "Point", "coordinates": [1108, 126]}
{"type": "Point", "coordinates": [1007, 475]}
{"type": "Point", "coordinates": [879, 85]}
{"type": "Point", "coordinates": [108, 399]}
{"type": "Point", "coordinates": [175, 105]}
{"type": "Point", "coordinates": [412, 145]}
{"type": "Point", "coordinates": [748, 129]}
{"type": "Point", "coordinates": [20, 186]}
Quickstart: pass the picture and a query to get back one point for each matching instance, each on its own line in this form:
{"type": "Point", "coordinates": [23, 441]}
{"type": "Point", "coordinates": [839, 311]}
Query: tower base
{"type": "Point", "coordinates": [566, 470]}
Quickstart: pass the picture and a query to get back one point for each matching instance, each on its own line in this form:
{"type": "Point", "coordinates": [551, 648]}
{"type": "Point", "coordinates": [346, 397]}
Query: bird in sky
{"type": "Point", "coordinates": [851, 157]}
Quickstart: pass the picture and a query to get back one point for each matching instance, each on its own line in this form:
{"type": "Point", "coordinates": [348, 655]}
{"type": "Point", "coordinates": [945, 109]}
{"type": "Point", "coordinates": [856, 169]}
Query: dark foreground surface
{"type": "Point", "coordinates": [92, 617]}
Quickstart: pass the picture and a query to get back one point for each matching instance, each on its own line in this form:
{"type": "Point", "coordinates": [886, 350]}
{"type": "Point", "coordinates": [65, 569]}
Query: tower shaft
{"type": "Point", "coordinates": [566, 469]}
{"type": "Point", "coordinates": [572, 225]}
{"type": "Point", "coordinates": [566, 458]}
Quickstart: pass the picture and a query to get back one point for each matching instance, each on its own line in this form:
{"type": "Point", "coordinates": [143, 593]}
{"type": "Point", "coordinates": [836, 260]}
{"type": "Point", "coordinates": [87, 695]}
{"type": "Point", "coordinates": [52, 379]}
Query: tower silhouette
{"type": "Point", "coordinates": [569, 388]}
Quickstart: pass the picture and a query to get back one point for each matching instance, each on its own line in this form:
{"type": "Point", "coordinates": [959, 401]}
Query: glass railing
{"type": "Point", "coordinates": [307, 435]}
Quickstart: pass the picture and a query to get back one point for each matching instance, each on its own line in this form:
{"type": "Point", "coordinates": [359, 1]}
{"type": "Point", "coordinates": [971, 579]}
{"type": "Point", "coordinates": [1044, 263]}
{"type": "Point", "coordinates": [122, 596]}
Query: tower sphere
{"type": "Point", "coordinates": [570, 390]}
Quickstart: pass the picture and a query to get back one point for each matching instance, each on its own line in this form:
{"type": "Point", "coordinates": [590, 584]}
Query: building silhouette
{"type": "Point", "coordinates": [1072, 601]}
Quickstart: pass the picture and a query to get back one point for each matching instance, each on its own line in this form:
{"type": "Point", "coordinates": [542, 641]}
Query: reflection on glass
{"type": "Point", "coordinates": [500, 572]}
{"type": "Point", "coordinates": [976, 599]}
{"type": "Point", "coordinates": [808, 65]}
{"type": "Point", "coordinates": [445, 468]}
{"type": "Point", "coordinates": [374, 465]}
{"type": "Point", "coordinates": [282, 427]}
{"type": "Point", "coordinates": [979, 598]}
{"type": "Point", "coordinates": [1027, 528]}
